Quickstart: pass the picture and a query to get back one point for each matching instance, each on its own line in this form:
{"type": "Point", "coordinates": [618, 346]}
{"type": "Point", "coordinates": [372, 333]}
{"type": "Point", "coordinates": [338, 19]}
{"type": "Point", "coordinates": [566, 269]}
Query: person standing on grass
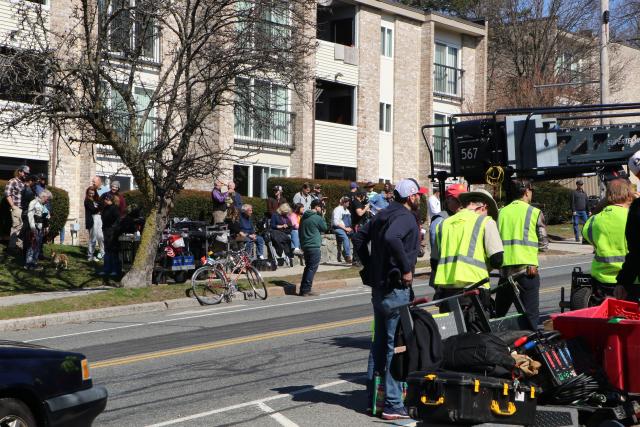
{"type": "Point", "coordinates": [111, 231]}
{"type": "Point", "coordinates": [93, 223]}
{"type": "Point", "coordinates": [312, 226]}
{"type": "Point", "coordinates": [579, 207]}
{"type": "Point", "coordinates": [13, 193]}
{"type": "Point", "coordinates": [38, 224]}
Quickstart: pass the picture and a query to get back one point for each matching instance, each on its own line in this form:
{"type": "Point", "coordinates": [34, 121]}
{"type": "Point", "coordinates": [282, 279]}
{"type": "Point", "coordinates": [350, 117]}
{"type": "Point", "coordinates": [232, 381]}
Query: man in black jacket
{"type": "Point", "coordinates": [388, 269]}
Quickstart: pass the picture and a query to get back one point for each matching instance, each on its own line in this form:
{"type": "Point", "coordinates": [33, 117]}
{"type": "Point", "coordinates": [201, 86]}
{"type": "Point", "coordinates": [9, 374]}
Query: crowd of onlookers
{"type": "Point", "coordinates": [283, 219]}
{"type": "Point", "coordinates": [30, 204]}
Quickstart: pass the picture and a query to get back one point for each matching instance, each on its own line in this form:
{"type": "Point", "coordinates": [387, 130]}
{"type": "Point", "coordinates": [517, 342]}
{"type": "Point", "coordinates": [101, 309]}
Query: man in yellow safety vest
{"type": "Point", "coordinates": [524, 234]}
{"type": "Point", "coordinates": [467, 246]}
{"type": "Point", "coordinates": [605, 232]}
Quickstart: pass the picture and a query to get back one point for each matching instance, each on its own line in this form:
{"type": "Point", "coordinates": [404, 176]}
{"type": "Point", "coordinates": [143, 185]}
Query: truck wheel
{"type": "Point", "coordinates": [14, 412]}
{"type": "Point", "coordinates": [580, 298]}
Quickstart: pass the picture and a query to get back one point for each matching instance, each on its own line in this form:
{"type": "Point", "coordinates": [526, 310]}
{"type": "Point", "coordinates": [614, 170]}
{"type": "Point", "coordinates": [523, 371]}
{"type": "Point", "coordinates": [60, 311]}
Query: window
{"type": "Point", "coordinates": [262, 111]}
{"type": "Point", "coordinates": [386, 42]}
{"type": "Point", "coordinates": [126, 182]}
{"type": "Point", "coordinates": [22, 75]}
{"type": "Point", "coordinates": [441, 151]}
{"type": "Point", "coordinates": [569, 68]}
{"type": "Point", "coordinates": [334, 172]}
{"type": "Point", "coordinates": [271, 31]}
{"type": "Point", "coordinates": [133, 30]}
{"type": "Point", "coordinates": [251, 180]}
{"type": "Point", "coordinates": [120, 116]}
{"type": "Point", "coordinates": [336, 23]}
{"type": "Point", "coordinates": [447, 75]}
{"type": "Point", "coordinates": [385, 117]}
{"type": "Point", "coordinates": [335, 102]}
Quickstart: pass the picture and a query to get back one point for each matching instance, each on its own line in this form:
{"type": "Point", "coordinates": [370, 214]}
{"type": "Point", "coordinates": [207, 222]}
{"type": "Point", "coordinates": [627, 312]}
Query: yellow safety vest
{"type": "Point", "coordinates": [463, 259]}
{"type": "Point", "coordinates": [517, 225]}
{"type": "Point", "coordinates": [605, 231]}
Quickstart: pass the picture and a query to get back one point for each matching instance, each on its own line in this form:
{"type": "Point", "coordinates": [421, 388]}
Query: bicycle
{"type": "Point", "coordinates": [218, 278]}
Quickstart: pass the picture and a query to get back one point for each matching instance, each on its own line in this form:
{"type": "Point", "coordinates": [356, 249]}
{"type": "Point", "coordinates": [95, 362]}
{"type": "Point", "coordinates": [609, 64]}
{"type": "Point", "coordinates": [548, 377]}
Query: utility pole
{"type": "Point", "coordinates": [604, 53]}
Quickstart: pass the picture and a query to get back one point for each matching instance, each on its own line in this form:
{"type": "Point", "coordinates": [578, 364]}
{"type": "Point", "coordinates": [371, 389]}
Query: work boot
{"type": "Point", "coordinates": [348, 259]}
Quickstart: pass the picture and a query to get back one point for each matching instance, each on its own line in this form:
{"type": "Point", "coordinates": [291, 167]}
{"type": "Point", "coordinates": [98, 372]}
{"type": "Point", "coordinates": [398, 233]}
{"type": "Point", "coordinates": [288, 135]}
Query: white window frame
{"type": "Point", "coordinates": [133, 37]}
{"type": "Point", "coordinates": [250, 189]}
{"type": "Point", "coordinates": [445, 134]}
{"type": "Point", "coordinates": [252, 130]}
{"type": "Point", "coordinates": [28, 3]}
{"type": "Point", "coordinates": [385, 117]}
{"type": "Point", "coordinates": [457, 65]}
{"type": "Point", "coordinates": [386, 41]}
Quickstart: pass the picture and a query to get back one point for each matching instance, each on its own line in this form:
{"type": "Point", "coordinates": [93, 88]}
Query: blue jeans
{"type": "Point", "coordinates": [295, 239]}
{"type": "Point", "coordinates": [33, 247]}
{"type": "Point", "coordinates": [579, 216]}
{"type": "Point", "coordinates": [311, 263]}
{"type": "Point", "coordinates": [386, 315]}
{"type": "Point", "coordinates": [342, 235]}
{"type": "Point", "coordinates": [259, 246]}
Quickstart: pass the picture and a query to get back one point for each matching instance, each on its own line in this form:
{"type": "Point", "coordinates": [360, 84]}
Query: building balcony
{"type": "Point", "coordinates": [274, 129]}
{"type": "Point", "coordinates": [337, 63]}
{"type": "Point", "coordinates": [336, 144]}
{"type": "Point", "coordinates": [447, 81]}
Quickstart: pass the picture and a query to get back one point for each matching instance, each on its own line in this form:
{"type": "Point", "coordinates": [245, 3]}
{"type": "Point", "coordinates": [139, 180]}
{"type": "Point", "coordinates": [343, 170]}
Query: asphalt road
{"type": "Point", "coordinates": [283, 362]}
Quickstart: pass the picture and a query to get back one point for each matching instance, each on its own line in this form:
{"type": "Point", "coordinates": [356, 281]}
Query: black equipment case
{"type": "Point", "coordinates": [454, 397]}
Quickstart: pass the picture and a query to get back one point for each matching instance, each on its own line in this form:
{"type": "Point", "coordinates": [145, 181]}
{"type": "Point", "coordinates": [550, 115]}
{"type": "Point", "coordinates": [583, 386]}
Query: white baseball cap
{"type": "Point", "coordinates": [406, 188]}
{"type": "Point", "coordinates": [634, 163]}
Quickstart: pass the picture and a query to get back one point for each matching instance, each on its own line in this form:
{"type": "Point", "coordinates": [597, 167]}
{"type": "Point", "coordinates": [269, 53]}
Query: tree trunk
{"type": "Point", "coordinates": [140, 273]}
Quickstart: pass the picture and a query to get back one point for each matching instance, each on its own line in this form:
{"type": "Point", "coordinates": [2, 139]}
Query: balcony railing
{"type": "Point", "coordinates": [271, 129]}
{"type": "Point", "coordinates": [447, 80]}
{"type": "Point", "coordinates": [441, 153]}
{"type": "Point", "coordinates": [147, 139]}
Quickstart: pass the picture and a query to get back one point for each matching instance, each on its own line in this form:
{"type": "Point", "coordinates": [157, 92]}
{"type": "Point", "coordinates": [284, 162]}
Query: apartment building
{"type": "Point", "coordinates": [382, 71]}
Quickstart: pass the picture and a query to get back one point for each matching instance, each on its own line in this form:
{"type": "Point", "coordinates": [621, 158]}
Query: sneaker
{"type": "Point", "coordinates": [297, 251]}
{"type": "Point", "coordinates": [99, 256]}
{"type": "Point", "coordinates": [91, 259]}
{"type": "Point", "coordinates": [395, 414]}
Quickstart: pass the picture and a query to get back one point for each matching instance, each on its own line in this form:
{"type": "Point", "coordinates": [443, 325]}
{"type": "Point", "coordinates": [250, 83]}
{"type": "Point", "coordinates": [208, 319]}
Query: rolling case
{"type": "Point", "coordinates": [454, 397]}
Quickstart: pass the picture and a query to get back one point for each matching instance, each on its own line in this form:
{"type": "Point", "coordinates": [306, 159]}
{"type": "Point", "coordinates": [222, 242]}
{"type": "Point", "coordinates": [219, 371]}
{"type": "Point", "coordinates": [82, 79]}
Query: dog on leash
{"type": "Point", "coordinates": [60, 261]}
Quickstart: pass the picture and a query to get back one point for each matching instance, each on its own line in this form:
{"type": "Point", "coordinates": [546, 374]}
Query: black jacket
{"type": "Point", "coordinates": [90, 208]}
{"type": "Point", "coordinates": [111, 227]}
{"type": "Point", "coordinates": [395, 243]}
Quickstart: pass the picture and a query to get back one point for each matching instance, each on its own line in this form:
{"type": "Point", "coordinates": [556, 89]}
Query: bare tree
{"type": "Point", "coordinates": [85, 78]}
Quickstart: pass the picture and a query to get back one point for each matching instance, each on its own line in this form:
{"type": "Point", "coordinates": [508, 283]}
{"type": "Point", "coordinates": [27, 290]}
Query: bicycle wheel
{"type": "Point", "coordinates": [209, 285]}
{"type": "Point", "coordinates": [256, 282]}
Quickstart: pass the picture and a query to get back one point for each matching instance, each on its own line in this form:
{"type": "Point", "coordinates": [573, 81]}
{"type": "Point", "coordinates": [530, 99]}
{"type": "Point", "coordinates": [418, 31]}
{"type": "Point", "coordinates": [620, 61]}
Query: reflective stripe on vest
{"type": "Point", "coordinates": [517, 225]}
{"type": "Point", "coordinates": [462, 255]}
{"type": "Point", "coordinates": [605, 231]}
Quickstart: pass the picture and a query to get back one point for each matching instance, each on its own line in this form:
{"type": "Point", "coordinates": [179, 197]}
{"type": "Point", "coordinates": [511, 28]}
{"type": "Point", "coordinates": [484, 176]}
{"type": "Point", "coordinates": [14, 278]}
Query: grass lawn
{"type": "Point", "coordinates": [14, 279]}
{"type": "Point", "coordinates": [561, 231]}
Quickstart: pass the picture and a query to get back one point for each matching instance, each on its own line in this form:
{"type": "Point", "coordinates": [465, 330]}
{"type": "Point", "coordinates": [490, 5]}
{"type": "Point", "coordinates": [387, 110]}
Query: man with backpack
{"type": "Point", "coordinates": [388, 269]}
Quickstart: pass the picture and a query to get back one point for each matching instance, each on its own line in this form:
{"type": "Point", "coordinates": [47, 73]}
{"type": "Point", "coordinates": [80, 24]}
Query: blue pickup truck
{"type": "Point", "coordinates": [40, 386]}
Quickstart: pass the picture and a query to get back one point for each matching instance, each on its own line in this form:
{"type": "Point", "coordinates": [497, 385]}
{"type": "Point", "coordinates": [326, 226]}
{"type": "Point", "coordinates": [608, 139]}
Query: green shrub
{"type": "Point", "coordinates": [196, 205]}
{"type": "Point", "coordinates": [554, 200]}
{"type": "Point", "coordinates": [332, 189]}
{"type": "Point", "coordinates": [59, 211]}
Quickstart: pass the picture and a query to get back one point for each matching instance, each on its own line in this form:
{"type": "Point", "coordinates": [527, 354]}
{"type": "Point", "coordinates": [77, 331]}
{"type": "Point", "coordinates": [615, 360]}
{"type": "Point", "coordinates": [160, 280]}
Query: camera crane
{"type": "Point", "coordinates": [542, 143]}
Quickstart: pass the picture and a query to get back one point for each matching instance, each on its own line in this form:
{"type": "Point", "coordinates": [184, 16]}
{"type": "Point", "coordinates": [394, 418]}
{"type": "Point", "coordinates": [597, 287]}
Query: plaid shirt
{"type": "Point", "coordinates": [14, 189]}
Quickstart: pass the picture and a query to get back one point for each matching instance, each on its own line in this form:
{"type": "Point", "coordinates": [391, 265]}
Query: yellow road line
{"type": "Point", "coordinates": [224, 343]}
{"type": "Point", "coordinates": [243, 340]}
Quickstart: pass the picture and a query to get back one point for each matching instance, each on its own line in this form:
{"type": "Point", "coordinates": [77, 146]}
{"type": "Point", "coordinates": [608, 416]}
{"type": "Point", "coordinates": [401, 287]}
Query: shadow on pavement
{"type": "Point", "coordinates": [289, 288]}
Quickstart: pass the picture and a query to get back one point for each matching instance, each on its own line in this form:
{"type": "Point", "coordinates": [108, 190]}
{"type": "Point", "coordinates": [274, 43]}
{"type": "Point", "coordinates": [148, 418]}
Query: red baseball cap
{"type": "Point", "coordinates": [454, 190]}
{"type": "Point", "coordinates": [423, 190]}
